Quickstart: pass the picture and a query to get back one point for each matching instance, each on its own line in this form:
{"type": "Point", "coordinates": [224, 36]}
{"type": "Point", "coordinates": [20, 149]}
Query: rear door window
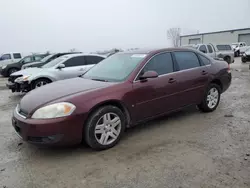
{"type": "Point", "coordinates": [210, 49]}
{"type": "Point", "coordinates": [90, 60]}
{"type": "Point", "coordinates": [186, 60]}
{"type": "Point", "coordinates": [162, 64]}
{"type": "Point", "coordinates": [17, 56]}
{"type": "Point", "coordinates": [75, 61]}
{"type": "Point", "coordinates": [38, 58]}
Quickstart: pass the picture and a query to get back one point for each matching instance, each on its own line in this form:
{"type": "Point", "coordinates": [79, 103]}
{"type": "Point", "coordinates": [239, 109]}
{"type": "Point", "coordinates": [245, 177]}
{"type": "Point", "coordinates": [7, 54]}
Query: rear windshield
{"type": "Point", "coordinates": [223, 47]}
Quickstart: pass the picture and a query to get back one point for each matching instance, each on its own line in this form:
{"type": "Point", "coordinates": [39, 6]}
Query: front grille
{"type": "Point", "coordinates": [13, 78]}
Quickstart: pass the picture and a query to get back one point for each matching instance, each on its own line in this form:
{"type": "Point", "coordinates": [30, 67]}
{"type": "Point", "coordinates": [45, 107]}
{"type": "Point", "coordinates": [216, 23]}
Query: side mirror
{"type": "Point", "coordinates": [148, 74]}
{"type": "Point", "coordinates": [203, 51]}
{"type": "Point", "coordinates": [61, 66]}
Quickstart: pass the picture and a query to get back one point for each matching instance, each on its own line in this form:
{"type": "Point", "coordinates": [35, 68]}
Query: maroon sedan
{"type": "Point", "coordinates": [122, 90]}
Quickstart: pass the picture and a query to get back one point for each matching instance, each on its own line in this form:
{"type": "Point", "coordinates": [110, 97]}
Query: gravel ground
{"type": "Point", "coordinates": [182, 150]}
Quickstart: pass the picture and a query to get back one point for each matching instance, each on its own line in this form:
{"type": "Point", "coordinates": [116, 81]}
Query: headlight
{"type": "Point", "coordinates": [23, 78]}
{"type": "Point", "coordinates": [56, 110]}
{"type": "Point", "coordinates": [3, 67]}
{"type": "Point", "coordinates": [244, 54]}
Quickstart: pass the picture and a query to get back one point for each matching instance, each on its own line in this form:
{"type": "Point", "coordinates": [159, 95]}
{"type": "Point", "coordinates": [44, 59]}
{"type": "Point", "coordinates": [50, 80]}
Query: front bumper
{"type": "Point", "coordinates": [58, 131]}
{"type": "Point", "coordinates": [18, 87]}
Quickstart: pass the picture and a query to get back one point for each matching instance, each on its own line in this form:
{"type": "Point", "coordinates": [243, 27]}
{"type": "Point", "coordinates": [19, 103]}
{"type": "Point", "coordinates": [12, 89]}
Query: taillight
{"type": "Point", "coordinates": [228, 68]}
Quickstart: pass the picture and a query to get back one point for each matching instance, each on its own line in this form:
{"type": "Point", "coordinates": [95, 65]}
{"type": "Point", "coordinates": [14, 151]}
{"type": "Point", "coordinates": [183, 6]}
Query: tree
{"type": "Point", "coordinates": [174, 35]}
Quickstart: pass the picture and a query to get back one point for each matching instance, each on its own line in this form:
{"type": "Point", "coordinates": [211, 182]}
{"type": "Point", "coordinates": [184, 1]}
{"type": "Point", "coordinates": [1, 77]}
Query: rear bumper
{"type": "Point", "coordinates": [226, 81]}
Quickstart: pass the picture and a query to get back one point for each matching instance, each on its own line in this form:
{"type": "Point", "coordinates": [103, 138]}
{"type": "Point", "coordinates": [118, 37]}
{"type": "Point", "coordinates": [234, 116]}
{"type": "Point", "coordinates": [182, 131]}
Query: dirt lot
{"type": "Point", "coordinates": [185, 149]}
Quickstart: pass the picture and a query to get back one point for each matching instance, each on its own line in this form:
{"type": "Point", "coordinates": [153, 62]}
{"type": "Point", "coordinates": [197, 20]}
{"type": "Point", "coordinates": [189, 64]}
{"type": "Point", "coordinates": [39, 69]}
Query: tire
{"type": "Point", "coordinates": [238, 54]}
{"type": "Point", "coordinates": [99, 137]}
{"type": "Point", "coordinates": [227, 59]}
{"type": "Point", "coordinates": [12, 70]}
{"type": "Point", "coordinates": [244, 60]}
{"type": "Point", "coordinates": [41, 82]}
{"type": "Point", "coordinates": [204, 106]}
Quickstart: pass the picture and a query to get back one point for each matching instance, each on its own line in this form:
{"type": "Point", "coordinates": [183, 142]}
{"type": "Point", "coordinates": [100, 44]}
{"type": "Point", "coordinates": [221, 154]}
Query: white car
{"type": "Point", "coordinates": [240, 47]}
{"type": "Point", "coordinates": [8, 58]}
{"type": "Point", "coordinates": [64, 67]}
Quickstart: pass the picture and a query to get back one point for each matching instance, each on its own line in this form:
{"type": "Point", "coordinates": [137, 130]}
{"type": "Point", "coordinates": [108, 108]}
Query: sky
{"type": "Point", "coordinates": [91, 25]}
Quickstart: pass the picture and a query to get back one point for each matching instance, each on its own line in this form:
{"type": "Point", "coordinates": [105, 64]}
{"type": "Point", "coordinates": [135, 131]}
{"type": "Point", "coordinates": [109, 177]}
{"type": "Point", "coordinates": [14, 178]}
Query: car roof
{"type": "Point", "coordinates": [81, 54]}
{"type": "Point", "coordinates": [156, 50]}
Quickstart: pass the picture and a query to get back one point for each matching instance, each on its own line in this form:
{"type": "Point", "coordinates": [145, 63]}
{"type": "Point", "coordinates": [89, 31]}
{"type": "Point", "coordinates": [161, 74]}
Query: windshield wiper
{"type": "Point", "coordinates": [102, 80]}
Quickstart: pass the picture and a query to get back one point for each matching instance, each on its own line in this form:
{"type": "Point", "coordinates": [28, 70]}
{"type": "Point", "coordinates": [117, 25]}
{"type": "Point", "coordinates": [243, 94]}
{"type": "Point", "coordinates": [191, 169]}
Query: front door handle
{"type": "Point", "coordinates": [81, 69]}
{"type": "Point", "coordinates": [204, 72]}
{"type": "Point", "coordinates": [171, 80]}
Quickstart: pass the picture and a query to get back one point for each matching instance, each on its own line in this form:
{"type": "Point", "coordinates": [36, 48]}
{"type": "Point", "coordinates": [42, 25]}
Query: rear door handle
{"type": "Point", "coordinates": [171, 80]}
{"type": "Point", "coordinates": [204, 72]}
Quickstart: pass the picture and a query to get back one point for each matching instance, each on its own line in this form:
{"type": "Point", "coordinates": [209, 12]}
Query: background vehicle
{"type": "Point", "coordinates": [9, 58]}
{"type": "Point", "coordinates": [45, 60]}
{"type": "Point", "coordinates": [123, 90]}
{"type": "Point", "coordinates": [7, 70]}
{"type": "Point", "coordinates": [241, 46]}
{"type": "Point", "coordinates": [223, 51]}
{"type": "Point", "coordinates": [64, 67]}
{"type": "Point", "coordinates": [246, 56]}
{"type": "Point", "coordinates": [236, 49]}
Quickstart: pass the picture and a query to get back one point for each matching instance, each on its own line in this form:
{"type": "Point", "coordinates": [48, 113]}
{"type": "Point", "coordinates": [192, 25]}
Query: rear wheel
{"type": "Point", "coordinates": [238, 53]}
{"type": "Point", "coordinates": [104, 128]}
{"type": "Point", "coordinates": [244, 59]}
{"type": "Point", "coordinates": [40, 82]}
{"type": "Point", "coordinates": [211, 98]}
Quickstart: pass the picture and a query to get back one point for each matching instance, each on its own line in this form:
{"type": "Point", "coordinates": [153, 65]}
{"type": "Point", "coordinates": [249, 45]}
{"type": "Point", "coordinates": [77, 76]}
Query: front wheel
{"type": "Point", "coordinates": [211, 98]}
{"type": "Point", "coordinates": [104, 128]}
{"type": "Point", "coordinates": [40, 82]}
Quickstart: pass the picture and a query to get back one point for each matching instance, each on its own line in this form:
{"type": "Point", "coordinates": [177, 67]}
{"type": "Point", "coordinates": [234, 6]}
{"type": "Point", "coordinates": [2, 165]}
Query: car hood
{"type": "Point", "coordinates": [27, 71]}
{"type": "Point", "coordinates": [54, 91]}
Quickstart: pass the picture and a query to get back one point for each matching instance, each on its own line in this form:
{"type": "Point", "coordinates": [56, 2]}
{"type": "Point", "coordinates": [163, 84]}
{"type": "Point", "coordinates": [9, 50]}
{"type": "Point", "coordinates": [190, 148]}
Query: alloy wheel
{"type": "Point", "coordinates": [212, 97]}
{"type": "Point", "coordinates": [108, 128]}
{"type": "Point", "coordinates": [40, 83]}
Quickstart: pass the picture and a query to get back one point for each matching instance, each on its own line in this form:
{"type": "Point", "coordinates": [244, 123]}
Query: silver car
{"type": "Point", "coordinates": [64, 67]}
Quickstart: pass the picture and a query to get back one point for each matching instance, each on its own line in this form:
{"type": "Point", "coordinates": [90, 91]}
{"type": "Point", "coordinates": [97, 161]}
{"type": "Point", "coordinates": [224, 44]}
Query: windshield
{"type": "Point", "coordinates": [54, 62]}
{"type": "Point", "coordinates": [223, 47]}
{"type": "Point", "coordinates": [45, 59]}
{"type": "Point", "coordinates": [115, 68]}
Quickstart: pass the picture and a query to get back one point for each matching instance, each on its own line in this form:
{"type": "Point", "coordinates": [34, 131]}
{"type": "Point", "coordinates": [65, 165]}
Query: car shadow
{"type": "Point", "coordinates": [161, 121]}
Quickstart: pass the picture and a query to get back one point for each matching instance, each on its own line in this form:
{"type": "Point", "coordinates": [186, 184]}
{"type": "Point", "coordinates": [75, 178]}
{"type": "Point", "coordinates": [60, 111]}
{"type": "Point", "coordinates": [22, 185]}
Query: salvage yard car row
{"type": "Point", "coordinates": [63, 67]}
{"type": "Point", "coordinates": [105, 96]}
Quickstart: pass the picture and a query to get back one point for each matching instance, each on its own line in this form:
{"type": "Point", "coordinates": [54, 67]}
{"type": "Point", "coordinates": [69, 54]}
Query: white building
{"type": "Point", "coordinates": [218, 37]}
